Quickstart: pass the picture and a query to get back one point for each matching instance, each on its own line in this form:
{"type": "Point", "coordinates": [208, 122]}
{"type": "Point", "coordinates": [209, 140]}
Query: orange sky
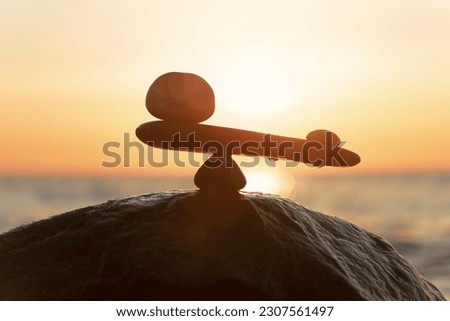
{"type": "Point", "coordinates": [74, 76]}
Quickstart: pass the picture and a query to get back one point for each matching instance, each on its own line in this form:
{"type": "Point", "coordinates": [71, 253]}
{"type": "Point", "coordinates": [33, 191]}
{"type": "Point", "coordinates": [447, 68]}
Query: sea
{"type": "Point", "coordinates": [412, 212]}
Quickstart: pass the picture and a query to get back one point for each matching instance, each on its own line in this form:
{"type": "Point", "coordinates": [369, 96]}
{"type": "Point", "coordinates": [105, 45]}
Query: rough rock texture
{"type": "Point", "coordinates": [185, 245]}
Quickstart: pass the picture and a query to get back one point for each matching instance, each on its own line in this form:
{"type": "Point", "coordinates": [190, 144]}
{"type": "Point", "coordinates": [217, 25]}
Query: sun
{"type": "Point", "coordinates": [259, 83]}
{"type": "Point", "coordinates": [260, 180]}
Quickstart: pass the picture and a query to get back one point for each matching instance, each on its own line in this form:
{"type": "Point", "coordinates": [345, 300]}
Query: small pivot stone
{"type": "Point", "coordinates": [177, 96]}
{"type": "Point", "coordinates": [220, 175]}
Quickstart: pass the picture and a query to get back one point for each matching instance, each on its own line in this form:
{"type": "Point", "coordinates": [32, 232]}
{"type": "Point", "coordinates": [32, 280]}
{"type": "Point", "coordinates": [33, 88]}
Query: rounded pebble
{"type": "Point", "coordinates": [220, 175]}
{"type": "Point", "coordinates": [321, 135]}
{"type": "Point", "coordinates": [177, 96]}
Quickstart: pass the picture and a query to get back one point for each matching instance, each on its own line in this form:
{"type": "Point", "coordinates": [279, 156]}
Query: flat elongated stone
{"type": "Point", "coordinates": [205, 138]}
{"type": "Point", "coordinates": [180, 96]}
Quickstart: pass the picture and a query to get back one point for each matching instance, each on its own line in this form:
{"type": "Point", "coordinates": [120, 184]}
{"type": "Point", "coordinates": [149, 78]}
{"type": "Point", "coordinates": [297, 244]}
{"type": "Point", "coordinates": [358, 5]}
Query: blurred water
{"type": "Point", "coordinates": [411, 211]}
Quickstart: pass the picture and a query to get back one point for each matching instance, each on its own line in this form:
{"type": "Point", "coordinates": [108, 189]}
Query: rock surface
{"type": "Point", "coordinates": [183, 245]}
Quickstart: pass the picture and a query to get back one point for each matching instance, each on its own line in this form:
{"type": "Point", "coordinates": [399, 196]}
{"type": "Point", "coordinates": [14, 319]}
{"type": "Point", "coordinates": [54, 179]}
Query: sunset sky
{"type": "Point", "coordinates": [74, 75]}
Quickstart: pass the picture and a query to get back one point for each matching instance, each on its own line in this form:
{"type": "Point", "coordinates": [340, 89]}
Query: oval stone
{"type": "Point", "coordinates": [220, 175]}
{"type": "Point", "coordinates": [180, 96]}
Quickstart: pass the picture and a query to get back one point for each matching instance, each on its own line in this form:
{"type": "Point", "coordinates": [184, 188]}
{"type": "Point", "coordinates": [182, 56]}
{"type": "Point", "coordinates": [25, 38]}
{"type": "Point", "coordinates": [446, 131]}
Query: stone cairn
{"type": "Point", "coordinates": [183, 100]}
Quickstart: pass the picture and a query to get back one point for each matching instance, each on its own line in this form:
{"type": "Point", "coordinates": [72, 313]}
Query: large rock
{"type": "Point", "coordinates": [188, 245]}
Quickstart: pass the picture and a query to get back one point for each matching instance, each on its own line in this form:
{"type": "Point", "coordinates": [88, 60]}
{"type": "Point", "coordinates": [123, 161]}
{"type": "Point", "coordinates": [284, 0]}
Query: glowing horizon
{"type": "Point", "coordinates": [75, 77]}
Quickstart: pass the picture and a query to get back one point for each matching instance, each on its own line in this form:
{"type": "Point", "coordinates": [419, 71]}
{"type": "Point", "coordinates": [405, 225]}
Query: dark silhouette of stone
{"type": "Point", "coordinates": [220, 175]}
{"type": "Point", "coordinates": [196, 246]}
{"type": "Point", "coordinates": [182, 100]}
{"type": "Point", "coordinates": [320, 135]}
{"type": "Point", "coordinates": [177, 96]}
{"type": "Point", "coordinates": [197, 138]}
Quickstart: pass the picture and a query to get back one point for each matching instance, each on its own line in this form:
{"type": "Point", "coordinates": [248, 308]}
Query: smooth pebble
{"type": "Point", "coordinates": [217, 175]}
{"type": "Point", "coordinates": [177, 96]}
